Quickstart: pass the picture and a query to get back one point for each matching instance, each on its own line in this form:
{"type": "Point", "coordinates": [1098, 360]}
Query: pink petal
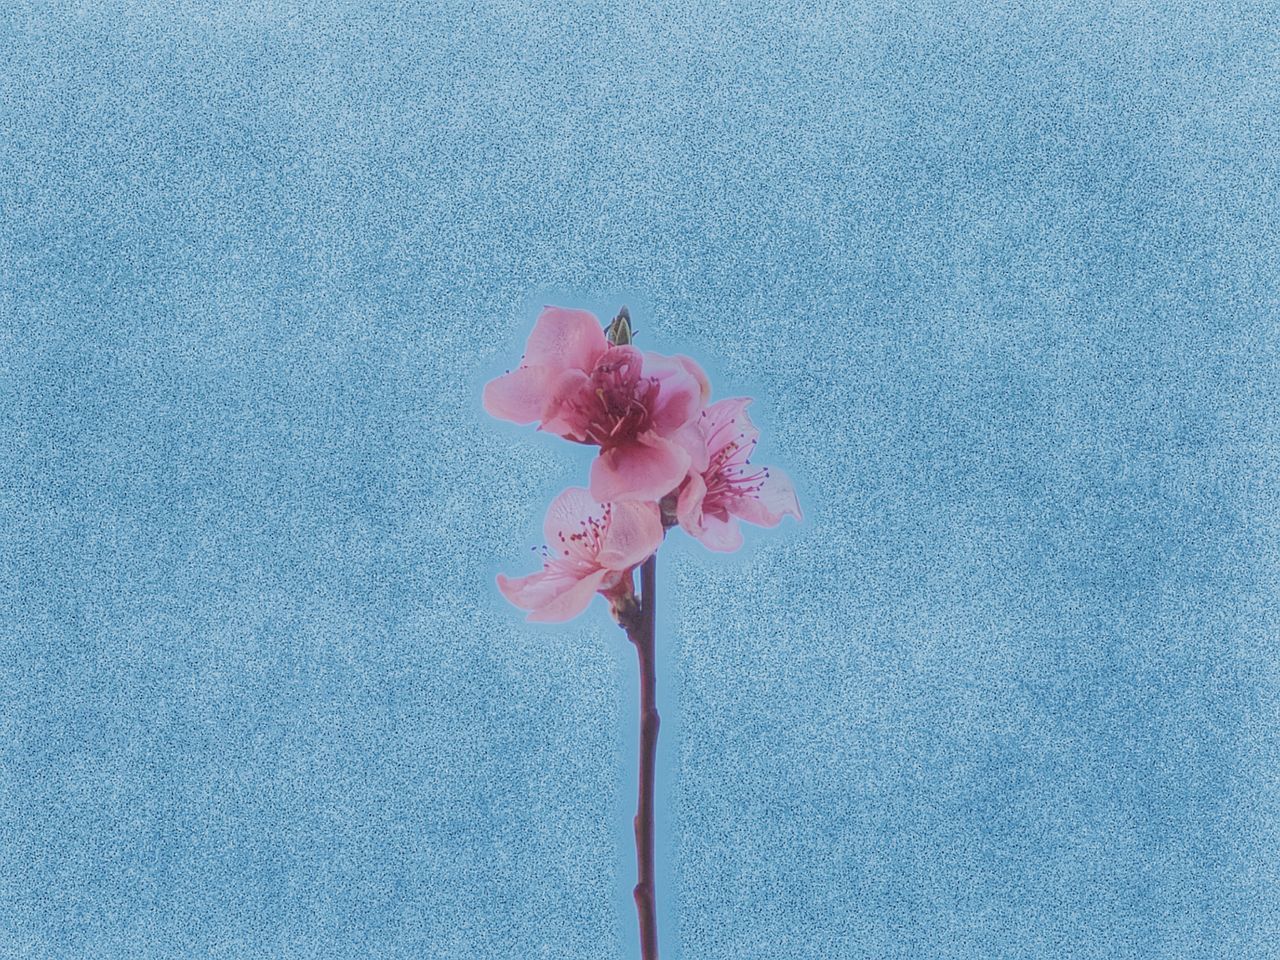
{"type": "Point", "coordinates": [635, 531]}
{"type": "Point", "coordinates": [776, 499]}
{"type": "Point", "coordinates": [534, 590]}
{"type": "Point", "coordinates": [560, 414]}
{"type": "Point", "coordinates": [713, 532]}
{"type": "Point", "coordinates": [570, 513]}
{"type": "Point", "coordinates": [572, 602]}
{"type": "Point", "coordinates": [679, 397]}
{"type": "Point", "coordinates": [625, 361]}
{"type": "Point", "coordinates": [565, 339]}
{"type": "Point", "coordinates": [648, 468]}
{"type": "Point", "coordinates": [698, 374]}
{"type": "Point", "coordinates": [726, 421]}
{"type": "Point", "coordinates": [551, 597]}
{"type": "Point", "coordinates": [689, 504]}
{"type": "Point", "coordinates": [695, 444]}
{"type": "Point", "coordinates": [720, 535]}
{"type": "Point", "coordinates": [518, 396]}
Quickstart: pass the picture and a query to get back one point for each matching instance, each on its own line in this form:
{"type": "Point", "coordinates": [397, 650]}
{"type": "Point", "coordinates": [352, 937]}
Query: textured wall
{"type": "Point", "coordinates": [1005, 284]}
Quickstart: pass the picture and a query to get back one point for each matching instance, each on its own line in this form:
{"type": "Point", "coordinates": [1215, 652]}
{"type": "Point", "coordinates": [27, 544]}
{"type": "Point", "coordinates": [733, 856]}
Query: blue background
{"type": "Point", "coordinates": [1004, 283]}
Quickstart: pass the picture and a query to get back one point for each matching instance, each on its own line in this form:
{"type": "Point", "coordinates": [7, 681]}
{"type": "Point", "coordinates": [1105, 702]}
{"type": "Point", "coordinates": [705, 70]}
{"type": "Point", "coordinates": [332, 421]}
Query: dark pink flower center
{"type": "Point", "coordinates": [619, 406]}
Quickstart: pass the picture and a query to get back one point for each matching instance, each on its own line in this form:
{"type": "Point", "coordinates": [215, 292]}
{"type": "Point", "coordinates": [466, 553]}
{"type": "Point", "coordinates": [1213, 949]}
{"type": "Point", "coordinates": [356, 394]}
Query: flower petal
{"type": "Point", "coordinates": [572, 602]}
{"type": "Point", "coordinates": [647, 468]}
{"type": "Point", "coordinates": [551, 597]}
{"type": "Point", "coordinates": [559, 414]}
{"type": "Point", "coordinates": [570, 513]}
{"type": "Point", "coordinates": [634, 532]}
{"type": "Point", "coordinates": [698, 374]}
{"type": "Point", "coordinates": [518, 396]}
{"type": "Point", "coordinates": [723, 536]}
{"type": "Point", "coordinates": [534, 590]}
{"type": "Point", "coordinates": [726, 421]}
{"type": "Point", "coordinates": [679, 397]}
{"type": "Point", "coordinates": [691, 438]}
{"type": "Point", "coordinates": [775, 499]}
{"type": "Point", "coordinates": [689, 504]}
{"type": "Point", "coordinates": [564, 339]}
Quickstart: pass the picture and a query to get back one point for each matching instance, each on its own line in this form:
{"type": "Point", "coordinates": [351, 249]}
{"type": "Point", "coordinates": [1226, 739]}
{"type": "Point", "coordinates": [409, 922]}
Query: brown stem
{"type": "Point", "coordinates": [640, 631]}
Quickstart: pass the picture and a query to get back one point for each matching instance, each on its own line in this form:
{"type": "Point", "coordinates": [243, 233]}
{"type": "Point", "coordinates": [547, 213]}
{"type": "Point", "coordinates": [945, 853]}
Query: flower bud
{"type": "Point", "coordinates": [618, 332]}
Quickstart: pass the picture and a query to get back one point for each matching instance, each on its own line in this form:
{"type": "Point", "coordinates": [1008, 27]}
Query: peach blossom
{"type": "Point", "coordinates": [730, 488]}
{"type": "Point", "coordinates": [640, 408]}
{"type": "Point", "coordinates": [591, 547]}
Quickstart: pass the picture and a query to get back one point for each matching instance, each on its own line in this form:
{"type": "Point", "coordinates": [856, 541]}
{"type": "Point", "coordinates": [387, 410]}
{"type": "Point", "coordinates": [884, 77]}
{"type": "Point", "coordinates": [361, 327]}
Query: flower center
{"type": "Point", "coordinates": [576, 551]}
{"type": "Point", "coordinates": [730, 474]}
{"type": "Point", "coordinates": [620, 404]}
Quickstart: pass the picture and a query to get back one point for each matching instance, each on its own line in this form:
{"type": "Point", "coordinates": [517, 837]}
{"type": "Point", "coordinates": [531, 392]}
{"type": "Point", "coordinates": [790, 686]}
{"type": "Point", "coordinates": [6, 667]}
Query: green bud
{"type": "Point", "coordinates": [618, 333]}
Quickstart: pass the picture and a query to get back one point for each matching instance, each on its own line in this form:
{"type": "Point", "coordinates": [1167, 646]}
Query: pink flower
{"type": "Point", "coordinates": [730, 488]}
{"type": "Point", "coordinates": [639, 408]}
{"type": "Point", "coordinates": [590, 547]}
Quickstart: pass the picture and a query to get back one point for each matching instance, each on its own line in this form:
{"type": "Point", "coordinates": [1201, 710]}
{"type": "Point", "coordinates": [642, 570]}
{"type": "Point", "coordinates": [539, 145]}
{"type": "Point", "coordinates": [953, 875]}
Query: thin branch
{"type": "Point", "coordinates": [641, 632]}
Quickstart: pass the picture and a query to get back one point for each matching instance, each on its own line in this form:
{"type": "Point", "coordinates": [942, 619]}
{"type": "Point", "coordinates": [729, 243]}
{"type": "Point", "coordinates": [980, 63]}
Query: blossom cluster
{"type": "Point", "coordinates": [666, 456]}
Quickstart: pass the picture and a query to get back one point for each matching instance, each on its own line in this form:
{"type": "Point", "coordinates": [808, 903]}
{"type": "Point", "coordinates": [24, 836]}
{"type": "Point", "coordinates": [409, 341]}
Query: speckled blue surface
{"type": "Point", "coordinates": [1005, 284]}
